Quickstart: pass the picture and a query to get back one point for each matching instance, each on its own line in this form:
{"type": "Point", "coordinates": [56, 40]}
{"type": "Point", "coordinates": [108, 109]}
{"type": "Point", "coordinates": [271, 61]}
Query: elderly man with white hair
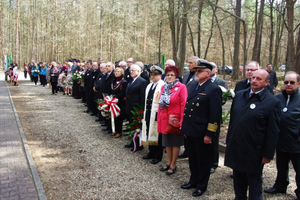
{"type": "Point", "coordinates": [135, 93]}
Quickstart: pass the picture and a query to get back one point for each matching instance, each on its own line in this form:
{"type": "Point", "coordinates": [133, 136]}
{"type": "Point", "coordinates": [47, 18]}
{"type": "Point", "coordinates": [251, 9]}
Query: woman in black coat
{"type": "Point", "coordinates": [54, 73]}
{"type": "Point", "coordinates": [118, 87]}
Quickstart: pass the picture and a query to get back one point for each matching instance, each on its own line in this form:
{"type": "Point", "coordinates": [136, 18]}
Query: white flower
{"type": "Point", "coordinates": [224, 90]}
{"type": "Point", "coordinates": [232, 93]}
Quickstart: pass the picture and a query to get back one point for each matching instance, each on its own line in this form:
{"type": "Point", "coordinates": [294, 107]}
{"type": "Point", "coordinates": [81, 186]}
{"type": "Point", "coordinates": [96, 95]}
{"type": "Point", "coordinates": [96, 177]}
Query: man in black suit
{"type": "Point", "coordinates": [106, 82]}
{"type": "Point", "coordinates": [189, 81]}
{"type": "Point", "coordinates": [252, 135]}
{"type": "Point", "coordinates": [273, 78]}
{"type": "Point", "coordinates": [288, 148]}
{"type": "Point", "coordinates": [220, 82]}
{"type": "Point", "coordinates": [127, 76]}
{"type": "Point", "coordinates": [135, 92]}
{"type": "Point", "coordinates": [87, 84]}
{"type": "Point", "coordinates": [97, 88]}
{"type": "Point", "coordinates": [250, 68]}
{"type": "Point", "coordinates": [201, 120]}
{"type": "Point", "coordinates": [94, 75]}
{"type": "Point", "coordinates": [144, 74]}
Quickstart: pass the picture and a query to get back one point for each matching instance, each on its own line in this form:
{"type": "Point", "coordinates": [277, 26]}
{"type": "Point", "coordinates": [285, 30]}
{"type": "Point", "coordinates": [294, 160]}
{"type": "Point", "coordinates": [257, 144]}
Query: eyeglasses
{"type": "Point", "coordinates": [129, 61]}
{"type": "Point", "coordinates": [251, 70]}
{"type": "Point", "coordinates": [289, 82]}
{"type": "Point", "coordinates": [200, 70]}
{"type": "Point", "coordinates": [132, 70]}
{"type": "Point", "coordinates": [170, 75]}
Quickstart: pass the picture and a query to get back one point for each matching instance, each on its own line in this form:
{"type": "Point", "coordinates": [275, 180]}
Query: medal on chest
{"type": "Point", "coordinates": [284, 109]}
{"type": "Point", "coordinates": [252, 106]}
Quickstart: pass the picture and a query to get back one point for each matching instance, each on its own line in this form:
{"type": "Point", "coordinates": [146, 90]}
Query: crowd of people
{"type": "Point", "coordinates": [187, 111]}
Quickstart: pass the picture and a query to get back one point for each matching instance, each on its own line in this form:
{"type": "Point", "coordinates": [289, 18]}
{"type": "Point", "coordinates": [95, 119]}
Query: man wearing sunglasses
{"type": "Point", "coordinates": [288, 147]}
{"type": "Point", "coordinates": [252, 135]}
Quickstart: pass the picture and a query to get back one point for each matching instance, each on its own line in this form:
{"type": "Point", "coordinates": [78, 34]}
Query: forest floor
{"type": "Point", "coordinates": [77, 160]}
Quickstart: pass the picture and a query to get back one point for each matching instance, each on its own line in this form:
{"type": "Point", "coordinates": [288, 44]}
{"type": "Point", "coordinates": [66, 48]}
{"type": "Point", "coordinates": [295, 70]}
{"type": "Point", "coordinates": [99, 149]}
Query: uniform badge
{"type": "Point", "coordinates": [284, 109]}
{"type": "Point", "coordinates": [127, 76]}
{"type": "Point", "coordinates": [252, 106]}
{"type": "Point", "coordinates": [197, 104]}
{"type": "Point", "coordinates": [176, 89]}
{"type": "Point", "coordinates": [191, 79]}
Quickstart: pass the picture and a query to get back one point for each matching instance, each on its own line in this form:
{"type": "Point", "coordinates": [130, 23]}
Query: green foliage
{"type": "Point", "coordinates": [136, 124]}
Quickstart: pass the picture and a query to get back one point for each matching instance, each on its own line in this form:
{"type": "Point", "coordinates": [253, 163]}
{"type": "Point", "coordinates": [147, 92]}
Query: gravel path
{"type": "Point", "coordinates": [76, 160]}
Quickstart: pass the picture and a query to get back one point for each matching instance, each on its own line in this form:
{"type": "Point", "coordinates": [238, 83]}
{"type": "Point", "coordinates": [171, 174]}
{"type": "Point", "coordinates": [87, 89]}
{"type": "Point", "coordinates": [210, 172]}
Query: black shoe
{"type": "Point", "coordinates": [129, 145]}
{"type": "Point", "coordinates": [105, 129]}
{"type": "Point", "coordinates": [197, 193]}
{"type": "Point", "coordinates": [173, 170]}
{"type": "Point", "coordinates": [86, 111]}
{"type": "Point", "coordinates": [165, 168]}
{"type": "Point", "coordinates": [212, 170]}
{"type": "Point", "coordinates": [183, 155]}
{"type": "Point", "coordinates": [231, 175]}
{"type": "Point", "coordinates": [155, 161]}
{"type": "Point", "coordinates": [109, 132]}
{"type": "Point", "coordinates": [273, 190]}
{"type": "Point", "coordinates": [147, 157]}
{"type": "Point", "coordinates": [64, 93]}
{"type": "Point", "coordinates": [188, 186]}
{"type": "Point", "coordinates": [93, 114]}
{"type": "Point", "coordinates": [97, 120]}
{"type": "Point", "coordinates": [138, 149]}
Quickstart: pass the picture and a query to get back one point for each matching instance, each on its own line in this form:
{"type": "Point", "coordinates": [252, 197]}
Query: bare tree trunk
{"type": "Point", "coordinates": [182, 49]}
{"type": "Point", "coordinates": [211, 33]}
{"type": "Point", "coordinates": [1, 34]}
{"type": "Point", "coordinates": [199, 28]}
{"type": "Point", "coordinates": [145, 31]}
{"type": "Point", "coordinates": [290, 65]}
{"type": "Point", "coordinates": [192, 39]}
{"type": "Point", "coordinates": [279, 31]}
{"type": "Point", "coordinates": [272, 32]}
{"type": "Point", "coordinates": [258, 33]}
{"type": "Point", "coordinates": [17, 33]}
{"type": "Point", "coordinates": [171, 12]}
{"type": "Point", "coordinates": [236, 61]}
{"type": "Point", "coordinates": [297, 63]}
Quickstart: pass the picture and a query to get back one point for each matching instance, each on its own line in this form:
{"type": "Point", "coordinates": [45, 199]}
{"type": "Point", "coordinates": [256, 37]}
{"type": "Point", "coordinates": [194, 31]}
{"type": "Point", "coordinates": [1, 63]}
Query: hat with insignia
{"type": "Point", "coordinates": [201, 63]}
{"type": "Point", "coordinates": [156, 69]}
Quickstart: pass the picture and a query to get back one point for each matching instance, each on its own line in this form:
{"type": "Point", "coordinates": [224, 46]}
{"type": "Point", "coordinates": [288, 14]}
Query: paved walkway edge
{"type": "Point", "coordinates": [34, 172]}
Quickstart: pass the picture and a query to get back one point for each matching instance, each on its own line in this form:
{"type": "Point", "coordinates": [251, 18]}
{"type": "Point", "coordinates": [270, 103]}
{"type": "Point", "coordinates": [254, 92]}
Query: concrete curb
{"type": "Point", "coordinates": [34, 172]}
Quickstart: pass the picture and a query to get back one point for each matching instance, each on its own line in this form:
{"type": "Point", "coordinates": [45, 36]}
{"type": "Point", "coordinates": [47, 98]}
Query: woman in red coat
{"type": "Point", "coordinates": [172, 101]}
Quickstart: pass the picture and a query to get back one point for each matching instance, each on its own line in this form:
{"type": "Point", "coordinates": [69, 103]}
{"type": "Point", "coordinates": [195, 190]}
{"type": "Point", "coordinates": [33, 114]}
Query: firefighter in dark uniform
{"type": "Point", "coordinates": [201, 120]}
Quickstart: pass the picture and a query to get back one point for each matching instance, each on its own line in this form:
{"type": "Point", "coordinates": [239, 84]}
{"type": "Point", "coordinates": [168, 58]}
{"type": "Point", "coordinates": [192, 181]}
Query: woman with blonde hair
{"type": "Point", "coordinates": [118, 87]}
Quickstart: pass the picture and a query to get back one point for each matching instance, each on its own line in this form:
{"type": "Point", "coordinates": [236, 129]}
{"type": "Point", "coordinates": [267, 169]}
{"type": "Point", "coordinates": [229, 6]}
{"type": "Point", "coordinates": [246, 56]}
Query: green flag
{"type": "Point", "coordinates": [163, 61]}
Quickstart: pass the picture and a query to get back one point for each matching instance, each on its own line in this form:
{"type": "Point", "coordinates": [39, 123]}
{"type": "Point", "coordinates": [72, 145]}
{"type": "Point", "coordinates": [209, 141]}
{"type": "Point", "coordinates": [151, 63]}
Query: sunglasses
{"type": "Point", "coordinates": [200, 70]}
{"type": "Point", "coordinates": [291, 82]}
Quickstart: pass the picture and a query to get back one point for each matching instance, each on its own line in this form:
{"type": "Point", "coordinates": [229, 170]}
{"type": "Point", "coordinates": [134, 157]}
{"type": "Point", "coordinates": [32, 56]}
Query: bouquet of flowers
{"type": "Point", "coordinates": [136, 124]}
{"type": "Point", "coordinates": [79, 76]}
{"type": "Point", "coordinates": [104, 110]}
{"type": "Point", "coordinates": [69, 80]}
{"type": "Point", "coordinates": [226, 95]}
{"type": "Point", "coordinates": [62, 79]}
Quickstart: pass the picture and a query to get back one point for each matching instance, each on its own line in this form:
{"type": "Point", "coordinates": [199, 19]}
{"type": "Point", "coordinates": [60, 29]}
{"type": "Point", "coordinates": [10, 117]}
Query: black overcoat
{"type": "Point", "coordinates": [253, 130]}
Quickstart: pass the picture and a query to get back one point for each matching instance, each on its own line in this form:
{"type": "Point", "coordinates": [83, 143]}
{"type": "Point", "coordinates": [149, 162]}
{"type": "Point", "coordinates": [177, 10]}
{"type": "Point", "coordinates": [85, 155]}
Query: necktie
{"type": "Point", "coordinates": [251, 94]}
{"type": "Point", "coordinates": [287, 101]}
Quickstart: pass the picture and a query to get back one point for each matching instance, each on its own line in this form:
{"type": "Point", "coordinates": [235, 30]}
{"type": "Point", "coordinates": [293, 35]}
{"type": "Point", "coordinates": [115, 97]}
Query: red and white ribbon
{"type": "Point", "coordinates": [113, 107]}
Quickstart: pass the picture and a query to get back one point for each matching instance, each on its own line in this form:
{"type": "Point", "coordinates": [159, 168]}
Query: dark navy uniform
{"type": "Point", "coordinates": [201, 118]}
